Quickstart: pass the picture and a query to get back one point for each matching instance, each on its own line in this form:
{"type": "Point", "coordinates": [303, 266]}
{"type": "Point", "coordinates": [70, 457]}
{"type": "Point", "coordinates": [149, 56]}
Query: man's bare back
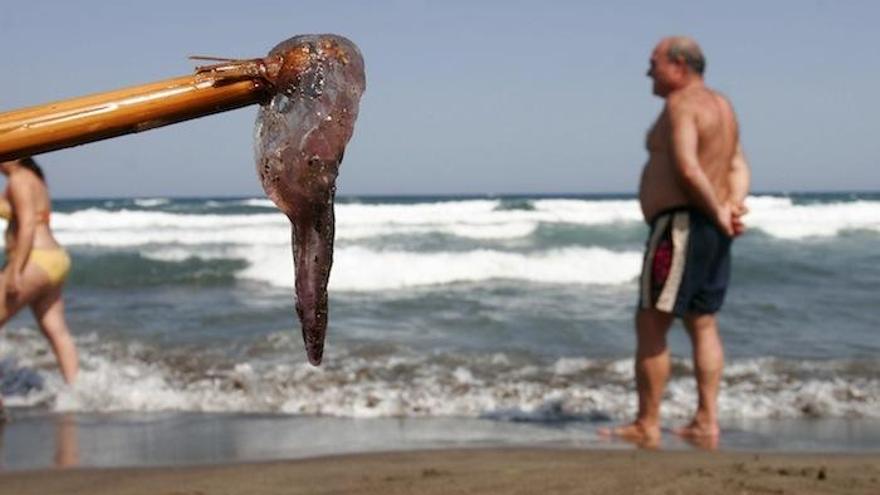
{"type": "Point", "coordinates": [716, 132]}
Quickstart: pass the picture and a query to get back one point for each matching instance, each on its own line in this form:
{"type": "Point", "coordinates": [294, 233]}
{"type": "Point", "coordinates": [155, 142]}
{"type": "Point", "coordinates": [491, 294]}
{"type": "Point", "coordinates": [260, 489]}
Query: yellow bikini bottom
{"type": "Point", "coordinates": [54, 261]}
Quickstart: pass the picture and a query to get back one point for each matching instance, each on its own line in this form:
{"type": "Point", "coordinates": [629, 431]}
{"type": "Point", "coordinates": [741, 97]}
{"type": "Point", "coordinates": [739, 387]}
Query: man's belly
{"type": "Point", "coordinates": [658, 189]}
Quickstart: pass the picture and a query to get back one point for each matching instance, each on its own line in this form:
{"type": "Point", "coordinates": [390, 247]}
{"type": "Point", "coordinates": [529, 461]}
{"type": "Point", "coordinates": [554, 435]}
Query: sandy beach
{"type": "Point", "coordinates": [478, 471]}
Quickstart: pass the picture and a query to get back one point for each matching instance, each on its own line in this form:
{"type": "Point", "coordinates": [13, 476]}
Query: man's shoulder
{"type": "Point", "coordinates": [697, 100]}
{"type": "Point", "coordinates": [681, 103]}
{"type": "Point", "coordinates": [692, 96]}
{"type": "Point", "coordinates": [720, 96]}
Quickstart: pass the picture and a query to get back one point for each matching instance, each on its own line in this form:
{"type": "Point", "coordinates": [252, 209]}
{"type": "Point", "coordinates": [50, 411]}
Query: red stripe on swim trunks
{"type": "Point", "coordinates": [662, 262]}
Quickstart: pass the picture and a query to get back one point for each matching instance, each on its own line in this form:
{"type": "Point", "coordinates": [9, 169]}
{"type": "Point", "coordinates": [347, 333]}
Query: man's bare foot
{"type": "Point", "coordinates": [704, 436]}
{"type": "Point", "coordinates": [635, 432]}
{"type": "Point", "coordinates": [696, 429]}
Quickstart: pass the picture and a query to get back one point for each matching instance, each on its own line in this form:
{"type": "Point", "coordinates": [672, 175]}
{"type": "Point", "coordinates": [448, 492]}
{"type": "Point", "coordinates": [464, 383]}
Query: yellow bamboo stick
{"type": "Point", "coordinates": [61, 124]}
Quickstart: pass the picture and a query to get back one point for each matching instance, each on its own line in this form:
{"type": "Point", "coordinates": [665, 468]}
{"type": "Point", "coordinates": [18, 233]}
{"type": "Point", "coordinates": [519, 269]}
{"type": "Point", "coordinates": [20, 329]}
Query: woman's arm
{"type": "Point", "coordinates": [25, 217]}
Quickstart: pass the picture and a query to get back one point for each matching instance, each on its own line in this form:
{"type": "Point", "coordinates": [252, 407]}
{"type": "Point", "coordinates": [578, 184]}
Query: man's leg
{"type": "Point", "coordinates": [652, 371]}
{"type": "Point", "coordinates": [652, 365]}
{"type": "Point", "coordinates": [708, 355]}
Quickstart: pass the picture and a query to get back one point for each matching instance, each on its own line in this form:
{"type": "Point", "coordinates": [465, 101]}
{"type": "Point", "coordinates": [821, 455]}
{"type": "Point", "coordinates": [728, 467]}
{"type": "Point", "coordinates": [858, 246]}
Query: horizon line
{"type": "Point", "coordinates": [628, 194]}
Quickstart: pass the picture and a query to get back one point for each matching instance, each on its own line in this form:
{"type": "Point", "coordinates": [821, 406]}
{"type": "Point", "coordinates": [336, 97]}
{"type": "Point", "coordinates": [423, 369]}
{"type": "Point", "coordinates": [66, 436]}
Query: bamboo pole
{"type": "Point", "coordinates": [76, 121]}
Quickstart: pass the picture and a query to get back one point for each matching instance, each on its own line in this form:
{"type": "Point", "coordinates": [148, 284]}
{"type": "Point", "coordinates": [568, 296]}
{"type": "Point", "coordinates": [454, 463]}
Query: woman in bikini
{"type": "Point", "coordinates": [36, 265]}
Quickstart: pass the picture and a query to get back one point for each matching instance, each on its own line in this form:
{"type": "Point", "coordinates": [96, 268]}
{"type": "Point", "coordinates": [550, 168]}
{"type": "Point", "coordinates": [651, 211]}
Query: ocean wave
{"type": "Point", "coordinates": [476, 219]}
{"type": "Point", "coordinates": [121, 269]}
{"type": "Point", "coordinates": [133, 377]}
{"type": "Point", "coordinates": [779, 217]}
{"type": "Point", "coordinates": [354, 269]}
{"type": "Point", "coordinates": [361, 269]}
{"type": "Point", "coordinates": [126, 228]}
{"type": "Point", "coordinates": [151, 202]}
{"type": "Point", "coordinates": [557, 241]}
{"type": "Point", "coordinates": [782, 218]}
{"type": "Point", "coordinates": [498, 219]}
{"type": "Point", "coordinates": [256, 203]}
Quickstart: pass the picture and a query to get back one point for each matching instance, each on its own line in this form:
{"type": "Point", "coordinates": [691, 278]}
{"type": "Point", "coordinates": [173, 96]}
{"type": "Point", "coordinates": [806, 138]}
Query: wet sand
{"type": "Point", "coordinates": [479, 471]}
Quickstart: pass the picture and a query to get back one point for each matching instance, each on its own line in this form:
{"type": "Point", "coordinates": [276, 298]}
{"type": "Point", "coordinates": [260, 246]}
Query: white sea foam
{"type": "Point", "coordinates": [180, 253]}
{"type": "Point", "coordinates": [115, 378]}
{"type": "Point", "coordinates": [151, 202]}
{"type": "Point", "coordinates": [257, 202]}
{"type": "Point", "coordinates": [474, 219]}
{"type": "Point", "coordinates": [96, 227]}
{"type": "Point", "coordinates": [779, 217]}
{"type": "Point", "coordinates": [479, 219]}
{"type": "Point", "coordinates": [775, 216]}
{"type": "Point", "coordinates": [361, 269]}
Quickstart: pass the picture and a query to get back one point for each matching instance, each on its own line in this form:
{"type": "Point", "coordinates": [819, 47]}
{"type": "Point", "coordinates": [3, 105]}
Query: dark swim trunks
{"type": "Point", "coordinates": [687, 264]}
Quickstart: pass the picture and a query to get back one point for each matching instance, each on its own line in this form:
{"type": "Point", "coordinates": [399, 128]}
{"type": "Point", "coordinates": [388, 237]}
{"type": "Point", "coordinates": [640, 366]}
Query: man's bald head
{"type": "Point", "coordinates": [687, 50]}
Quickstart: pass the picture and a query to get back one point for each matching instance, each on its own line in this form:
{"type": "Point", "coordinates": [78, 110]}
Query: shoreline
{"type": "Point", "coordinates": [478, 471]}
{"type": "Point", "coordinates": [37, 440]}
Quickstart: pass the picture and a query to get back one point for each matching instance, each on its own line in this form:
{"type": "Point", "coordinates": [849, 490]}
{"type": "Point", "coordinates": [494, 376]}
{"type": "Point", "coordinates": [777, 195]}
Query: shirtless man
{"type": "Point", "coordinates": [692, 194]}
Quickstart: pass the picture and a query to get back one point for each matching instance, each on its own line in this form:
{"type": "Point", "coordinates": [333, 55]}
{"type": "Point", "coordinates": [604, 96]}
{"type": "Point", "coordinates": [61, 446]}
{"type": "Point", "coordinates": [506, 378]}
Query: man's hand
{"type": "Point", "coordinates": [729, 219]}
{"type": "Point", "coordinates": [737, 212]}
{"type": "Point", "coordinates": [724, 218]}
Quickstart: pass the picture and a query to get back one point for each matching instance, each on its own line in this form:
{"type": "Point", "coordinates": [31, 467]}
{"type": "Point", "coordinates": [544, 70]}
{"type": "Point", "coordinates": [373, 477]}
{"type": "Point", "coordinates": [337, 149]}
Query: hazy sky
{"type": "Point", "coordinates": [465, 96]}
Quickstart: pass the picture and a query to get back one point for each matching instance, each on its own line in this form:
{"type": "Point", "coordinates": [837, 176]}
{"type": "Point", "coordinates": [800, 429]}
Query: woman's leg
{"type": "Point", "coordinates": [32, 282]}
{"type": "Point", "coordinates": [48, 309]}
{"type": "Point", "coordinates": [36, 290]}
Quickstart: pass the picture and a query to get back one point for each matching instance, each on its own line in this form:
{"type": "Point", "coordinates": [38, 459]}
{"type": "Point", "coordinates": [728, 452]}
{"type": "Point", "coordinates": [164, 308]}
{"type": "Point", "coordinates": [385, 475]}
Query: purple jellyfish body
{"type": "Point", "coordinates": [300, 139]}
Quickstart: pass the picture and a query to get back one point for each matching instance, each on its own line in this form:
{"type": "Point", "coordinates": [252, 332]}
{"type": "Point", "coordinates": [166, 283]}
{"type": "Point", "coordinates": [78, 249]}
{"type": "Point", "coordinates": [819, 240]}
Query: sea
{"type": "Point", "coordinates": [454, 320]}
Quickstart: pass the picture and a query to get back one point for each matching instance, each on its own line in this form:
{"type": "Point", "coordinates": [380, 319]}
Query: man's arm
{"type": "Point", "coordinates": [740, 177]}
{"type": "Point", "coordinates": [695, 183]}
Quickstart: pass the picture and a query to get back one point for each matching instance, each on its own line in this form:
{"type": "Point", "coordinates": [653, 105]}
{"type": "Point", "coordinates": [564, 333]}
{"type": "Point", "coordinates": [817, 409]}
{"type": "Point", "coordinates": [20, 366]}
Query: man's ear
{"type": "Point", "coordinates": [679, 61]}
